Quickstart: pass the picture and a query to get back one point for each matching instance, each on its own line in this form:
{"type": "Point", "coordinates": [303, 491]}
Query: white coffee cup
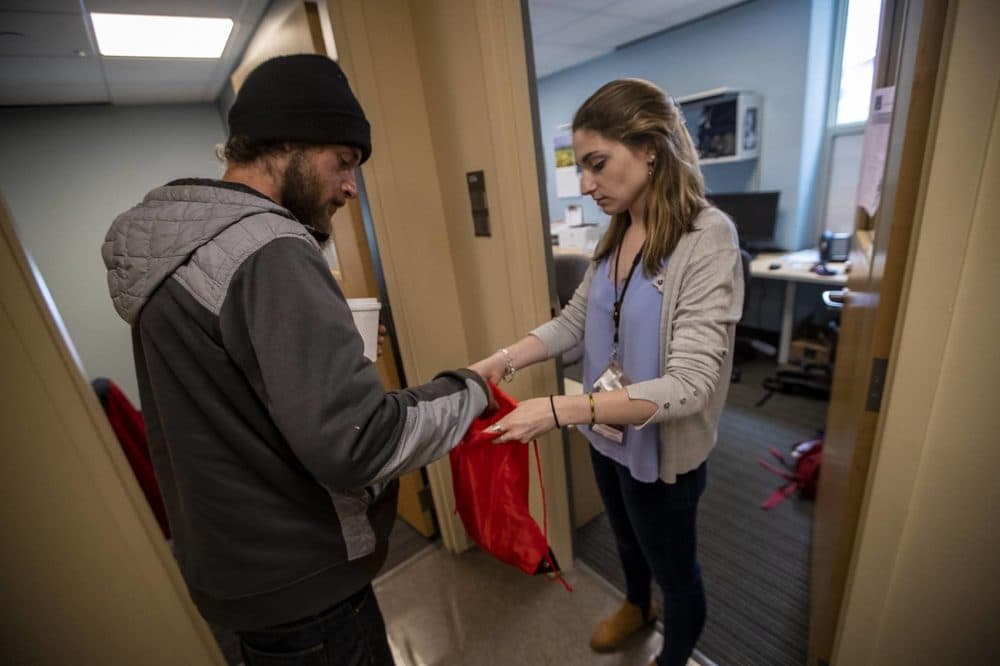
{"type": "Point", "coordinates": [365, 312]}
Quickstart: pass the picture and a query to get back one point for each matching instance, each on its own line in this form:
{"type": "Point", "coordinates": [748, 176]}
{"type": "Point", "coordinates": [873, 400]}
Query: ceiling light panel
{"type": "Point", "coordinates": [142, 36]}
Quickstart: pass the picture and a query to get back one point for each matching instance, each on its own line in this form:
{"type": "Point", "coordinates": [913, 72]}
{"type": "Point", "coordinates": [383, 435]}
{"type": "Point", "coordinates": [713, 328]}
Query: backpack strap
{"type": "Point", "coordinates": [784, 474]}
{"type": "Point", "coordinates": [779, 496]}
{"type": "Point", "coordinates": [545, 522]}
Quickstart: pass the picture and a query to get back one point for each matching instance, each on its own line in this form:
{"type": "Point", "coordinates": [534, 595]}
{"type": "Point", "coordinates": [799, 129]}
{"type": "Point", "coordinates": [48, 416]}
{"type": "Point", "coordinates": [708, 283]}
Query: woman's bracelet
{"type": "Point", "coordinates": [593, 411]}
{"type": "Point", "coordinates": [509, 370]}
{"type": "Point", "coordinates": [552, 404]}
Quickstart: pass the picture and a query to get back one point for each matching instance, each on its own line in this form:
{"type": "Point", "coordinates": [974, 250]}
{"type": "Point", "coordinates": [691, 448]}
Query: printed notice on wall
{"type": "Point", "coordinates": [567, 177]}
{"type": "Point", "coordinates": [875, 145]}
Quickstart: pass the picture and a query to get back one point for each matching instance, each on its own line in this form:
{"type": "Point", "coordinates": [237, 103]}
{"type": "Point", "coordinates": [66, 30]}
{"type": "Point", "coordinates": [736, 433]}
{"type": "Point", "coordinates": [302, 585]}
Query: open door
{"type": "Point", "coordinates": [909, 52]}
{"type": "Point", "coordinates": [86, 574]}
{"type": "Point", "coordinates": [297, 26]}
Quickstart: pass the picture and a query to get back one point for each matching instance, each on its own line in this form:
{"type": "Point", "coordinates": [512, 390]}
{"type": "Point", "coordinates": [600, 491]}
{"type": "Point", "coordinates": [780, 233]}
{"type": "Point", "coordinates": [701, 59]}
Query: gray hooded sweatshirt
{"type": "Point", "coordinates": [273, 440]}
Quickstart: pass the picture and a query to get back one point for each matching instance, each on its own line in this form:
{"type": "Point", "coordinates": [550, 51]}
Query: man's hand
{"type": "Point", "coordinates": [483, 369]}
{"type": "Point", "coordinates": [490, 368]}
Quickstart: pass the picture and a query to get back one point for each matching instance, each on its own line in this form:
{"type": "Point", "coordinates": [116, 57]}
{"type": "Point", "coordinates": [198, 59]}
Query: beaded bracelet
{"type": "Point", "coordinates": [593, 411]}
{"type": "Point", "coordinates": [509, 370]}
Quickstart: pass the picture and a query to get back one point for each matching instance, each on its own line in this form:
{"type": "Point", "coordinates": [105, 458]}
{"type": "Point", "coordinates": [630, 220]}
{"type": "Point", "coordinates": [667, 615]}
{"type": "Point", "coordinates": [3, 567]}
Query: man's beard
{"type": "Point", "coordinates": [301, 194]}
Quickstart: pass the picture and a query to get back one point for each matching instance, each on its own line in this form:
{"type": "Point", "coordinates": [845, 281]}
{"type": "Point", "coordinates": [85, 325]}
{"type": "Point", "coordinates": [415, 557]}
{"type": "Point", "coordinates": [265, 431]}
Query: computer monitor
{"type": "Point", "coordinates": [755, 215]}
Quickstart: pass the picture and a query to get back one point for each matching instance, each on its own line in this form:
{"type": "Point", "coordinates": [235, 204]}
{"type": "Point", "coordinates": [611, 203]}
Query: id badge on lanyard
{"type": "Point", "coordinates": [613, 378]}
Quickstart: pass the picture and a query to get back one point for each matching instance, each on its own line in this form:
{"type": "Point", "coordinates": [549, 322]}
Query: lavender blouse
{"type": "Point", "coordinates": [639, 354]}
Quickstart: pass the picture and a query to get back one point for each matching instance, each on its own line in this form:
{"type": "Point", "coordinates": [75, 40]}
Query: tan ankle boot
{"type": "Point", "coordinates": [616, 629]}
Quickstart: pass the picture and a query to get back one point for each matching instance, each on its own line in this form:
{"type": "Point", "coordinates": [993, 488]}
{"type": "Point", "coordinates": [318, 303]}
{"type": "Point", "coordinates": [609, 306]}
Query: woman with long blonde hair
{"type": "Point", "coordinates": [656, 311]}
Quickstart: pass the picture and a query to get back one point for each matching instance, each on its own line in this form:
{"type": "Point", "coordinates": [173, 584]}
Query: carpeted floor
{"type": "Point", "coordinates": [755, 562]}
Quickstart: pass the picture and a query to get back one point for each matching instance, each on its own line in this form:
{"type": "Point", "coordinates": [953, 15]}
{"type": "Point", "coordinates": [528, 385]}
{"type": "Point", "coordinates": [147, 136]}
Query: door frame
{"type": "Point", "coordinates": [956, 170]}
{"type": "Point", "coordinates": [911, 51]}
{"type": "Point", "coordinates": [81, 531]}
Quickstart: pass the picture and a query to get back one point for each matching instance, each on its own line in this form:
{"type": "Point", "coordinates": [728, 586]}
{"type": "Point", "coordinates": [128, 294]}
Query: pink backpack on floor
{"type": "Point", "coordinates": [802, 472]}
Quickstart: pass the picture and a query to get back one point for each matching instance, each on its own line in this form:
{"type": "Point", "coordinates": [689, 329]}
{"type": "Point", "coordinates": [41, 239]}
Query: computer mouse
{"type": "Point", "coordinates": [775, 266]}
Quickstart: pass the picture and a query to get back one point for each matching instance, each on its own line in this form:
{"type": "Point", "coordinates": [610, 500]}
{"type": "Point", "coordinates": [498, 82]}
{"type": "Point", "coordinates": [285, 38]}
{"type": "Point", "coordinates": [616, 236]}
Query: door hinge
{"type": "Point", "coordinates": [425, 499]}
{"type": "Point", "coordinates": [876, 384]}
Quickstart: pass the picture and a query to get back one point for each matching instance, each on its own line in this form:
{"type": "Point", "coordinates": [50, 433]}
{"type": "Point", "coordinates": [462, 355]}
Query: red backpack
{"type": "Point", "coordinates": [802, 472]}
{"type": "Point", "coordinates": [491, 495]}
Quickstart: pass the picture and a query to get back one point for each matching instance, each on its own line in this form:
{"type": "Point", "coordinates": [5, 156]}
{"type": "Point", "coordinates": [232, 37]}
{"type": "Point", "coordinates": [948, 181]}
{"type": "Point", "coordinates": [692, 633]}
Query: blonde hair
{"type": "Point", "coordinates": [638, 114]}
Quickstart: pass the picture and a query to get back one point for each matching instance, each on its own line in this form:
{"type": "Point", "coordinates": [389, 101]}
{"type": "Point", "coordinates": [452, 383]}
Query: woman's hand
{"type": "Point", "coordinates": [529, 420]}
{"type": "Point", "coordinates": [491, 368]}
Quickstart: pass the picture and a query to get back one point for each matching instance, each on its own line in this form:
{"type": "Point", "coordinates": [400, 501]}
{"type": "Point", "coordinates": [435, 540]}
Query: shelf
{"type": "Point", "coordinates": [708, 161]}
{"type": "Point", "coordinates": [723, 122]}
{"type": "Point", "coordinates": [705, 95]}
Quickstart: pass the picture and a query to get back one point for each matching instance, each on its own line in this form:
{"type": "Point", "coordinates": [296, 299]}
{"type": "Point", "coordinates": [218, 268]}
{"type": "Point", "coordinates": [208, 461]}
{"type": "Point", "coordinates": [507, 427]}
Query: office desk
{"type": "Point", "coordinates": [794, 269]}
{"type": "Point", "coordinates": [562, 249]}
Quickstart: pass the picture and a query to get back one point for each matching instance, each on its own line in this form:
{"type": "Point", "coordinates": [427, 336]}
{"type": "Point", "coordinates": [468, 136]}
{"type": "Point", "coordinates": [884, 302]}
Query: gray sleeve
{"type": "Point", "coordinates": [565, 331]}
{"type": "Point", "coordinates": [322, 393]}
{"type": "Point", "coordinates": [433, 426]}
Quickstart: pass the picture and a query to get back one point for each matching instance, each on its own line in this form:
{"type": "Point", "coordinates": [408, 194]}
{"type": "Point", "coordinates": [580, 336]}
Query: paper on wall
{"type": "Point", "coordinates": [873, 152]}
{"type": "Point", "coordinates": [567, 177]}
{"type": "Point", "coordinates": [567, 182]}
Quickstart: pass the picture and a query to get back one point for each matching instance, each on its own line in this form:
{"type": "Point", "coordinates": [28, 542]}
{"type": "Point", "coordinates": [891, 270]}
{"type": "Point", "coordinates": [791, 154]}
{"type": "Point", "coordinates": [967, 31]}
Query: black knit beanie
{"type": "Point", "coordinates": [304, 98]}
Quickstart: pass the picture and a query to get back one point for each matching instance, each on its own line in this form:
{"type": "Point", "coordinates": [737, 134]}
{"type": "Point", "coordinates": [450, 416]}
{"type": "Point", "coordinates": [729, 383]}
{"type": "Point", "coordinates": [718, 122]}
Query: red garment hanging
{"type": "Point", "coordinates": [491, 494]}
{"type": "Point", "coordinates": [130, 429]}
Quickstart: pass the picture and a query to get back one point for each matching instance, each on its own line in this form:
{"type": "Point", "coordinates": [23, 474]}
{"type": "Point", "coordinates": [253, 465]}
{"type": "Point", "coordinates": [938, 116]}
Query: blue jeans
{"type": "Point", "coordinates": [654, 526]}
{"type": "Point", "coordinates": [350, 633]}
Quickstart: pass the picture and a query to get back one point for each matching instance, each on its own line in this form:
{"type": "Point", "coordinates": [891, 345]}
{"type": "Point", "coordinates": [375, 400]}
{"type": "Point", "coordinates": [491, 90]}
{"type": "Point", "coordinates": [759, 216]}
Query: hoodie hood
{"type": "Point", "coordinates": [148, 242]}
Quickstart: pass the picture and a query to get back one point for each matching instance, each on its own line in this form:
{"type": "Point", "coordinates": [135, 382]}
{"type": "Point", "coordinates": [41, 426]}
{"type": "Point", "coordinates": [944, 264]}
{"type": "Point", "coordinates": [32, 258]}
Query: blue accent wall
{"type": "Point", "coordinates": [772, 47]}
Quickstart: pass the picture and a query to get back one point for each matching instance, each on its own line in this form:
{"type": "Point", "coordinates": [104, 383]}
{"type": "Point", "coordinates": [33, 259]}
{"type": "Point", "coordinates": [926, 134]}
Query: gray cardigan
{"type": "Point", "coordinates": [702, 288]}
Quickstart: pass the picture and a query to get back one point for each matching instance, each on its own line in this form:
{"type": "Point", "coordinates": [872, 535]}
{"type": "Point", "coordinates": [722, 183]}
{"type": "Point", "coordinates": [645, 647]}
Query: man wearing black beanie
{"type": "Point", "coordinates": [274, 442]}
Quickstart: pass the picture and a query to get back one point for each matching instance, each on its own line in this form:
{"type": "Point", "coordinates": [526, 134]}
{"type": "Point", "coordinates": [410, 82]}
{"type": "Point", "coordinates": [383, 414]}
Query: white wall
{"type": "Point", "coordinates": [66, 172]}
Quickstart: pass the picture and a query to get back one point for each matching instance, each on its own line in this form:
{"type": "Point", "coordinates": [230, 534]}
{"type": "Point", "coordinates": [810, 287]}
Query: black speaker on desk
{"type": "Point", "coordinates": [834, 246]}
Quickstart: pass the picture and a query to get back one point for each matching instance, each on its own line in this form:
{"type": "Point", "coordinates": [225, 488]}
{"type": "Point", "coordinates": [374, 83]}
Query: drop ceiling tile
{"type": "Point", "coordinates": [670, 13]}
{"type": "Point", "coordinates": [63, 6]}
{"type": "Point", "coordinates": [37, 81]}
{"type": "Point", "coordinates": [214, 9]}
{"type": "Point", "coordinates": [42, 34]}
{"type": "Point", "coordinates": [151, 81]}
{"type": "Point", "coordinates": [545, 20]}
{"type": "Point", "coordinates": [579, 6]}
{"type": "Point", "coordinates": [551, 58]}
{"type": "Point", "coordinates": [603, 31]}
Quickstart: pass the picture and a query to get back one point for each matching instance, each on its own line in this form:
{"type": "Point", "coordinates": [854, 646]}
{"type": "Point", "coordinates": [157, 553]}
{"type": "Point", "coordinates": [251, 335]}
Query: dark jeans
{"type": "Point", "coordinates": [347, 634]}
{"type": "Point", "coordinates": [654, 526]}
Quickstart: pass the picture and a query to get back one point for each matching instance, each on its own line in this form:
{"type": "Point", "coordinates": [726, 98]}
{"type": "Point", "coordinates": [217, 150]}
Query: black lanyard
{"type": "Point", "coordinates": [617, 312]}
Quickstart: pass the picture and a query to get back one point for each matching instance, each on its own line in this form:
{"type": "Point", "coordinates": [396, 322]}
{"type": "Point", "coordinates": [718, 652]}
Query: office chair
{"type": "Point", "coordinates": [743, 350]}
{"type": "Point", "coordinates": [570, 269]}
